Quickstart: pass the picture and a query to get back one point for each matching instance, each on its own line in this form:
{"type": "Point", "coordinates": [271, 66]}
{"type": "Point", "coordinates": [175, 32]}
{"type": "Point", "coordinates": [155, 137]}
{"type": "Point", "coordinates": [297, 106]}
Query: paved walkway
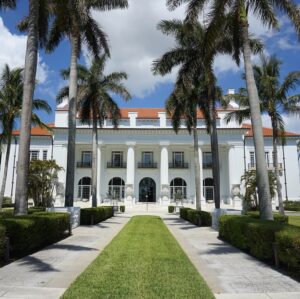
{"type": "Point", "coordinates": [230, 273]}
{"type": "Point", "coordinates": [49, 272]}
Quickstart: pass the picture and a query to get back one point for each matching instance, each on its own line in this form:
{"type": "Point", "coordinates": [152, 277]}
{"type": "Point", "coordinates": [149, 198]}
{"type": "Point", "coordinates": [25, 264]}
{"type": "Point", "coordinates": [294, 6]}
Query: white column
{"type": "Point", "coordinates": [130, 171]}
{"type": "Point", "coordinates": [99, 157]}
{"type": "Point", "coordinates": [201, 177]}
{"type": "Point", "coordinates": [164, 172]}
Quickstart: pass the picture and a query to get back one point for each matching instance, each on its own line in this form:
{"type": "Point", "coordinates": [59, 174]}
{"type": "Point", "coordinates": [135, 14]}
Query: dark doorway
{"type": "Point", "coordinates": [147, 190]}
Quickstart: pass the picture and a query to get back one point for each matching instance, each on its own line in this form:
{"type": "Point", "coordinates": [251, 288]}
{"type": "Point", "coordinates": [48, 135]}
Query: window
{"type": "Point", "coordinates": [178, 189]}
{"type": "Point", "coordinates": [207, 160]}
{"type": "Point", "coordinates": [117, 159]}
{"type": "Point", "coordinates": [267, 158]}
{"type": "Point", "coordinates": [84, 188]}
{"type": "Point", "coordinates": [45, 155]}
{"type": "Point", "coordinates": [34, 155]}
{"type": "Point", "coordinates": [178, 158]}
{"type": "Point", "coordinates": [87, 158]}
{"type": "Point", "coordinates": [147, 158]}
{"type": "Point", "coordinates": [252, 159]}
{"type": "Point", "coordinates": [208, 189]}
{"type": "Point", "coordinates": [116, 188]}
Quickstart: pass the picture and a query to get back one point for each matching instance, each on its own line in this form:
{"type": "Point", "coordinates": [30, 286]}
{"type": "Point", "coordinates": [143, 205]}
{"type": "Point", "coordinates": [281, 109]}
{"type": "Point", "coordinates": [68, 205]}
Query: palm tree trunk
{"type": "Point", "coordinates": [94, 160]}
{"type": "Point", "coordinates": [275, 153]}
{"type": "Point", "coordinates": [28, 91]}
{"type": "Point", "coordinates": [197, 168]}
{"type": "Point", "coordinates": [265, 204]}
{"type": "Point", "coordinates": [70, 174]}
{"type": "Point", "coordinates": [5, 171]}
{"type": "Point", "coordinates": [215, 158]}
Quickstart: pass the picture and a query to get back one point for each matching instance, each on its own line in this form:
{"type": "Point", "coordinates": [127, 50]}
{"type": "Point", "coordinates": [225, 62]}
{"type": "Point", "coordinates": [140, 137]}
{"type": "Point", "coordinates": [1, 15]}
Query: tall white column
{"type": "Point", "coordinates": [130, 171]}
{"type": "Point", "coordinates": [99, 157]}
{"type": "Point", "coordinates": [201, 176]}
{"type": "Point", "coordinates": [164, 172]}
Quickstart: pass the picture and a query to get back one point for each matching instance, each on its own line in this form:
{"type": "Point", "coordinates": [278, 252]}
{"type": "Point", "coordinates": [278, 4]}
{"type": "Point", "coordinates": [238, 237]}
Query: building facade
{"type": "Point", "coordinates": [145, 161]}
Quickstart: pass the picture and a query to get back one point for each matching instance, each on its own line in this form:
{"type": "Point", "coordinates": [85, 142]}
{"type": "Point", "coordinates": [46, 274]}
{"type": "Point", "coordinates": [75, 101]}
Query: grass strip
{"type": "Point", "coordinates": [142, 261]}
{"type": "Point", "coordinates": [294, 220]}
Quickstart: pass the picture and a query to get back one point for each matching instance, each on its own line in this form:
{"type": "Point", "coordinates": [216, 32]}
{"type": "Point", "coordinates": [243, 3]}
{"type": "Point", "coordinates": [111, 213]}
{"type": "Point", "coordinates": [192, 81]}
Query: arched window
{"type": "Point", "coordinates": [116, 188]}
{"type": "Point", "coordinates": [208, 189]}
{"type": "Point", "coordinates": [84, 188]}
{"type": "Point", "coordinates": [178, 189]}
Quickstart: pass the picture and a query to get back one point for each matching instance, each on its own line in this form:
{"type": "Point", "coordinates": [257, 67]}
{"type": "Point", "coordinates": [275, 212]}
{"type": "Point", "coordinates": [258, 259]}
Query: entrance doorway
{"type": "Point", "coordinates": [147, 190]}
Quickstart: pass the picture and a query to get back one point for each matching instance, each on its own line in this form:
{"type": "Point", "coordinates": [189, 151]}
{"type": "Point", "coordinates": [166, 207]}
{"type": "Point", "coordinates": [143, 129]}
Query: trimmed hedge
{"type": "Point", "coordinates": [2, 243]}
{"type": "Point", "coordinates": [199, 218]}
{"type": "Point", "coordinates": [266, 240]}
{"type": "Point", "coordinates": [277, 217]}
{"type": "Point", "coordinates": [291, 205]}
{"type": "Point", "coordinates": [32, 232]}
{"type": "Point", "coordinates": [171, 209]}
{"type": "Point", "coordinates": [91, 216]}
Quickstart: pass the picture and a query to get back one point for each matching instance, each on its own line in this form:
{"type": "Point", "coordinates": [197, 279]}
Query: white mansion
{"type": "Point", "coordinates": [144, 160]}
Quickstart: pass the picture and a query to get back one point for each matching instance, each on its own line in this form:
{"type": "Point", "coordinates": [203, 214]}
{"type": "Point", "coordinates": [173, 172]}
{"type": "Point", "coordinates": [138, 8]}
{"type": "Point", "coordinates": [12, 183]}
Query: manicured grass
{"type": "Point", "coordinates": [143, 261]}
{"type": "Point", "coordinates": [294, 220]}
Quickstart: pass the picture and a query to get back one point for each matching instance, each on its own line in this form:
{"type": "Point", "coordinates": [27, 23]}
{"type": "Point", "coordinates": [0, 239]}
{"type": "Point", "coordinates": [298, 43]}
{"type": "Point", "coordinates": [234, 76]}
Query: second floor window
{"type": "Point", "coordinates": [86, 158]}
{"type": "Point", "coordinates": [178, 158]}
{"type": "Point", "coordinates": [34, 155]}
{"type": "Point", "coordinates": [117, 158]}
{"type": "Point", "coordinates": [147, 158]}
{"type": "Point", "coordinates": [207, 159]}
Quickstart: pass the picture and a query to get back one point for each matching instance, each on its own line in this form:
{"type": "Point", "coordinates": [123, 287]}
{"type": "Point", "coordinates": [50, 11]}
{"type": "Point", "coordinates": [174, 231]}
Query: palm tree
{"type": "Point", "coordinates": [274, 100]}
{"type": "Point", "coordinates": [36, 25]}
{"type": "Point", "coordinates": [95, 103]}
{"type": "Point", "coordinates": [11, 94]}
{"type": "Point", "coordinates": [7, 4]}
{"type": "Point", "coordinates": [74, 20]}
{"type": "Point", "coordinates": [265, 10]}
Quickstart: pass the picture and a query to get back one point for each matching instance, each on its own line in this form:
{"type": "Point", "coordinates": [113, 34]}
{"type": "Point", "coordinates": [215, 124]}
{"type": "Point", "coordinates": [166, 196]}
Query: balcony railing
{"type": "Point", "coordinates": [207, 165]}
{"type": "Point", "coordinates": [84, 164]}
{"type": "Point", "coordinates": [270, 166]}
{"type": "Point", "coordinates": [116, 165]}
{"type": "Point", "coordinates": [147, 165]}
{"type": "Point", "coordinates": [179, 165]}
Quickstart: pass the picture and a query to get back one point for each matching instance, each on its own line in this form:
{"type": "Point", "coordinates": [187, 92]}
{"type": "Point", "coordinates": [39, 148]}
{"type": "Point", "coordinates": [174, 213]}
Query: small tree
{"type": "Point", "coordinates": [249, 179]}
{"type": "Point", "coordinates": [42, 178]}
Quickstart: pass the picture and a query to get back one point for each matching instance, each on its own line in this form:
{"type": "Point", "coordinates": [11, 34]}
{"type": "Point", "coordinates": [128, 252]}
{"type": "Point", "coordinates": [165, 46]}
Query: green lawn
{"type": "Point", "coordinates": [142, 261]}
{"type": "Point", "coordinates": [294, 220]}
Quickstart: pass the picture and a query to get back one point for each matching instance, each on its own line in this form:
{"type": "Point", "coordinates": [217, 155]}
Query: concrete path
{"type": "Point", "coordinates": [48, 273]}
{"type": "Point", "coordinates": [230, 273]}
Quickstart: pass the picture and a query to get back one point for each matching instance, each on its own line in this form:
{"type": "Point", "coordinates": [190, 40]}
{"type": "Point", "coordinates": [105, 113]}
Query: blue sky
{"type": "Point", "coordinates": [135, 43]}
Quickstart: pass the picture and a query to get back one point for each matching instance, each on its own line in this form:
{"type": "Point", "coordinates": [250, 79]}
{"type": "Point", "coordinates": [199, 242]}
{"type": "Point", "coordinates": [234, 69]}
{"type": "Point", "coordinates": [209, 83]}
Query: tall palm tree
{"type": "Point", "coordinates": [95, 103]}
{"type": "Point", "coordinates": [195, 58]}
{"type": "Point", "coordinates": [265, 10]}
{"type": "Point", "coordinates": [7, 4]}
{"type": "Point", "coordinates": [274, 100]}
{"type": "Point", "coordinates": [11, 93]}
{"type": "Point", "coordinates": [73, 19]}
{"type": "Point", "coordinates": [36, 25]}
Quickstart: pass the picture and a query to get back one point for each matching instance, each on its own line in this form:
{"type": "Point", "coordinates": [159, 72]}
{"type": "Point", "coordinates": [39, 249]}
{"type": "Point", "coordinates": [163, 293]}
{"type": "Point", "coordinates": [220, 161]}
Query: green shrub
{"type": "Point", "coordinates": [2, 243]}
{"type": "Point", "coordinates": [29, 233]}
{"type": "Point", "coordinates": [36, 210]}
{"type": "Point", "coordinates": [199, 218]}
{"type": "Point", "coordinates": [277, 217]}
{"type": "Point", "coordinates": [261, 238]}
{"type": "Point", "coordinates": [171, 209]}
{"type": "Point", "coordinates": [292, 205]}
{"type": "Point", "coordinates": [92, 216]}
{"type": "Point", "coordinates": [8, 205]}
{"type": "Point", "coordinates": [122, 209]}
{"type": "Point", "coordinates": [6, 200]}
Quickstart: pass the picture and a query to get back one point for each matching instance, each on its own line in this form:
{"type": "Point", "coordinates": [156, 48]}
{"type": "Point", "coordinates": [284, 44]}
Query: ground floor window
{"type": "Point", "coordinates": [178, 189]}
{"type": "Point", "coordinates": [208, 189]}
{"type": "Point", "coordinates": [84, 188]}
{"type": "Point", "coordinates": [116, 188]}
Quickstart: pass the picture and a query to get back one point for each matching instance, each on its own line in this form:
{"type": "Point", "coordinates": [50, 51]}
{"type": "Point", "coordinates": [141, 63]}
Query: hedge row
{"type": "Point", "coordinates": [199, 218]}
{"type": "Point", "coordinates": [266, 240]}
{"type": "Point", "coordinates": [292, 205]}
{"type": "Point", "coordinates": [2, 243]}
{"type": "Point", "coordinates": [93, 216]}
{"type": "Point", "coordinates": [32, 232]}
{"type": "Point", "coordinates": [277, 217]}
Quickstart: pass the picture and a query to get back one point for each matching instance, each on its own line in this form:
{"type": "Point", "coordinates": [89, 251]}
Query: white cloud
{"type": "Point", "coordinates": [13, 48]}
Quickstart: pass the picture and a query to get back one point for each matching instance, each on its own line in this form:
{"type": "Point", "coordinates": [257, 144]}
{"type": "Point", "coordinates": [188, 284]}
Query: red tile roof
{"type": "Point", "coordinates": [268, 132]}
{"type": "Point", "coordinates": [37, 131]}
